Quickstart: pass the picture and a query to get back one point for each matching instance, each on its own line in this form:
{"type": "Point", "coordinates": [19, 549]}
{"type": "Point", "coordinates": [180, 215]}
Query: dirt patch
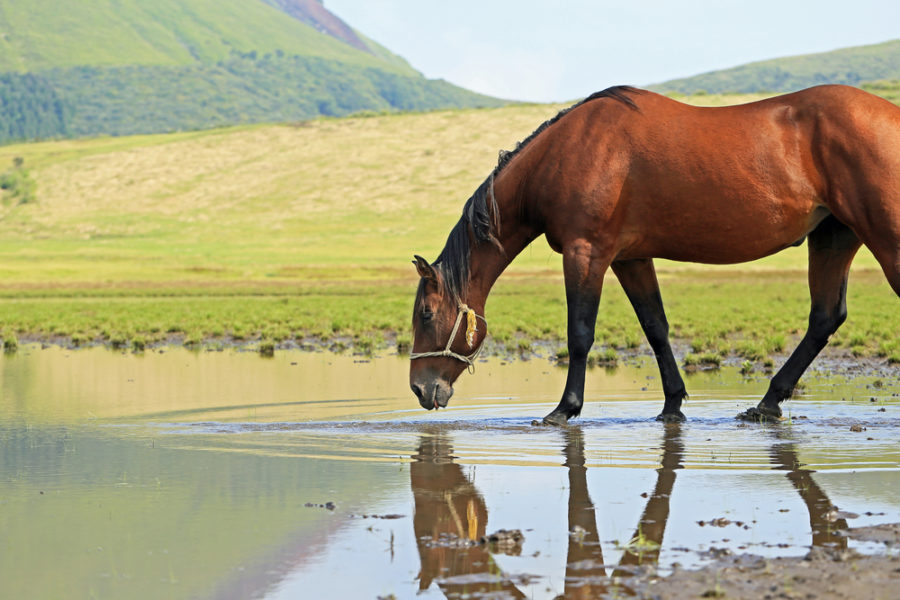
{"type": "Point", "coordinates": [823, 573]}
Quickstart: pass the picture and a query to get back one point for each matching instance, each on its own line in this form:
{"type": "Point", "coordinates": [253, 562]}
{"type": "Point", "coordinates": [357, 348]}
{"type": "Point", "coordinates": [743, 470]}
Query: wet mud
{"type": "Point", "coordinates": [834, 573]}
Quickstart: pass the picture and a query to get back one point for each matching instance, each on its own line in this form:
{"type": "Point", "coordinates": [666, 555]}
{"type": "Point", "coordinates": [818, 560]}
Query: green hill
{"type": "Point", "coordinates": [46, 34]}
{"type": "Point", "coordinates": [851, 66]}
{"type": "Point", "coordinates": [133, 66]}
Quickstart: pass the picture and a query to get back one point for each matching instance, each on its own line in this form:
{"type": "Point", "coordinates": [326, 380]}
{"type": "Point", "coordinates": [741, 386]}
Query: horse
{"type": "Point", "coordinates": [628, 175]}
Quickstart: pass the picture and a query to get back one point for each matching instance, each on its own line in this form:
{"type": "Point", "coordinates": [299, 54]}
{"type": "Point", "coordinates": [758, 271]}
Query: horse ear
{"type": "Point", "coordinates": [426, 271]}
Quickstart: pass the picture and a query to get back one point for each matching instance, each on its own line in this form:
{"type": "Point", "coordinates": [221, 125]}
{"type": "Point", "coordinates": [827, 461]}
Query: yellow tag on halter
{"type": "Point", "coordinates": [471, 327]}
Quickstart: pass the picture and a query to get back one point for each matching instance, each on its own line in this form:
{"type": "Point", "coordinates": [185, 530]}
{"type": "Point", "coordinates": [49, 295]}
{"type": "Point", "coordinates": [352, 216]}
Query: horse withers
{"type": "Point", "coordinates": [626, 176]}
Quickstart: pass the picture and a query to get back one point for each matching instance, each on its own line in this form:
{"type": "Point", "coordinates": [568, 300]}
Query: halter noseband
{"type": "Point", "coordinates": [470, 332]}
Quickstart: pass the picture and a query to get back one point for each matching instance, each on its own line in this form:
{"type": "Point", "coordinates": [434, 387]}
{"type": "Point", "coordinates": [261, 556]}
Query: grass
{"type": "Point", "coordinates": [284, 233]}
{"type": "Point", "coordinates": [371, 315]}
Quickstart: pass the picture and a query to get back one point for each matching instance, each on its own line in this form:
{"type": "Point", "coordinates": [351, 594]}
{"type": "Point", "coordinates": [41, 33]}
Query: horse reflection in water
{"type": "Point", "coordinates": [586, 574]}
{"type": "Point", "coordinates": [827, 529]}
{"type": "Point", "coordinates": [451, 516]}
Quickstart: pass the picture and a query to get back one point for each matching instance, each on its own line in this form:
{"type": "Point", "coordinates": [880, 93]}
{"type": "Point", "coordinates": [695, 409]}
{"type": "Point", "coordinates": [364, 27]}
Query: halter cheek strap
{"type": "Point", "coordinates": [471, 328]}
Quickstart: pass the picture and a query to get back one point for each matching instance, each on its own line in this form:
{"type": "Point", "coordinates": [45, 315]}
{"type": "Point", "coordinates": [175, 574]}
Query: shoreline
{"type": "Point", "coordinates": [832, 360]}
{"type": "Point", "coordinates": [825, 572]}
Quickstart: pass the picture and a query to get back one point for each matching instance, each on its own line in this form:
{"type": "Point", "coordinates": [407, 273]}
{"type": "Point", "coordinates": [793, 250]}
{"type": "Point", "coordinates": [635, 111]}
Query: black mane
{"type": "Point", "coordinates": [480, 217]}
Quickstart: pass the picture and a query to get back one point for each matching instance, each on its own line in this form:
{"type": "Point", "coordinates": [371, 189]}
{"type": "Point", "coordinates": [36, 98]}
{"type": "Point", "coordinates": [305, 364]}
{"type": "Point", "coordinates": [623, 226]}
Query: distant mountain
{"type": "Point", "coordinates": [851, 66]}
{"type": "Point", "coordinates": [314, 13]}
{"type": "Point", "coordinates": [146, 66]}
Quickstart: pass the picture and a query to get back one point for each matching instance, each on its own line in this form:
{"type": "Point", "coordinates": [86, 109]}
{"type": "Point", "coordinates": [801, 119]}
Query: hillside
{"type": "Point", "coordinates": [260, 201]}
{"type": "Point", "coordinates": [43, 34]}
{"type": "Point", "coordinates": [851, 66]}
{"type": "Point", "coordinates": [144, 67]}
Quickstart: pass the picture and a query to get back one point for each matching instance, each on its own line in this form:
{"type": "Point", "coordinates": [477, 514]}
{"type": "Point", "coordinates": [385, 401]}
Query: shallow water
{"type": "Point", "coordinates": [226, 475]}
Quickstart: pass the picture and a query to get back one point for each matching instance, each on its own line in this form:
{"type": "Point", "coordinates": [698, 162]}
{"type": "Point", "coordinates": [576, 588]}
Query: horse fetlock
{"type": "Point", "coordinates": [761, 413]}
{"type": "Point", "coordinates": [556, 418]}
{"type": "Point", "coordinates": [674, 398]}
{"type": "Point", "coordinates": [671, 417]}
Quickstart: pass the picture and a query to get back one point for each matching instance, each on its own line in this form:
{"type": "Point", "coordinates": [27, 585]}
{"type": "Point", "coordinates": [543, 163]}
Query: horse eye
{"type": "Point", "coordinates": [427, 315]}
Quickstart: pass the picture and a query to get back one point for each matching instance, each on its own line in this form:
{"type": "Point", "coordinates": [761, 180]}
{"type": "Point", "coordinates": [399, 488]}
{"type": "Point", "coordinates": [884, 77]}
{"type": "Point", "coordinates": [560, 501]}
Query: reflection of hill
{"type": "Point", "coordinates": [57, 385]}
{"type": "Point", "coordinates": [131, 518]}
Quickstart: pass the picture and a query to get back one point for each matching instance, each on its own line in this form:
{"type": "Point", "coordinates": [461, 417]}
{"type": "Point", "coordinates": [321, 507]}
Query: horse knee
{"type": "Point", "coordinates": [580, 343]}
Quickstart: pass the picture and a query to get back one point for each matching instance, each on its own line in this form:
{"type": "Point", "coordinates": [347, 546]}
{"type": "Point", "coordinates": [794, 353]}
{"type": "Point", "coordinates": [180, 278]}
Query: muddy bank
{"type": "Point", "coordinates": [823, 573]}
{"type": "Point", "coordinates": [832, 360]}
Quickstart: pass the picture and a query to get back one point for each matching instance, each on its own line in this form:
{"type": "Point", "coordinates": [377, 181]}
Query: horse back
{"type": "Point", "coordinates": [720, 185]}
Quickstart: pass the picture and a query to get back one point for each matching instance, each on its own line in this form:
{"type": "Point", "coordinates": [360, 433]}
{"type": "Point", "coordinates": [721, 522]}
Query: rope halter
{"type": "Point", "coordinates": [471, 328]}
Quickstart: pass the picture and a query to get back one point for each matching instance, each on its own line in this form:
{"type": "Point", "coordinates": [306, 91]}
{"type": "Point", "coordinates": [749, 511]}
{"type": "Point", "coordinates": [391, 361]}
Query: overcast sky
{"type": "Point", "coordinates": [559, 51]}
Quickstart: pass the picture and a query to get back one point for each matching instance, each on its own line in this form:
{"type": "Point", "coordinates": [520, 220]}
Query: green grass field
{"type": "Point", "coordinates": [306, 230]}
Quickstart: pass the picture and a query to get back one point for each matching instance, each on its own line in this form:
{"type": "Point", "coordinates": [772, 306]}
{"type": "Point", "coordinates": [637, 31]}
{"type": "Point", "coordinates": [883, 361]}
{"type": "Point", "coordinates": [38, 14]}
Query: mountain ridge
{"type": "Point", "coordinates": [853, 65]}
{"type": "Point", "coordinates": [314, 13]}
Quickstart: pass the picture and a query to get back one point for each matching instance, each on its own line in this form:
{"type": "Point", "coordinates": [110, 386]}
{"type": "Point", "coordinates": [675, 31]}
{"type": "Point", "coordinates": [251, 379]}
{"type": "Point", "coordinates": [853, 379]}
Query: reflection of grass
{"type": "Point", "coordinates": [608, 357]}
{"type": "Point", "coordinates": [640, 544]}
{"type": "Point", "coordinates": [10, 344]}
{"type": "Point", "coordinates": [706, 359]}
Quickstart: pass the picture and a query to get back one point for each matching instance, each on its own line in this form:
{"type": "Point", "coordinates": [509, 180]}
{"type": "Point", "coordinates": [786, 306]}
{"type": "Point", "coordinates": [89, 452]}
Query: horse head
{"type": "Point", "coordinates": [447, 337]}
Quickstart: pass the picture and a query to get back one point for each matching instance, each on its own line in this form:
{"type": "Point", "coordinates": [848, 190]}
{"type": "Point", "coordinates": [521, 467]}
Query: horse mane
{"type": "Point", "coordinates": [480, 216]}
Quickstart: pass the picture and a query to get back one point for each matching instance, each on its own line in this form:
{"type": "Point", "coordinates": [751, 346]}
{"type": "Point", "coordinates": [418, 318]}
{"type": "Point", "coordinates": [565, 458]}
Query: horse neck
{"type": "Point", "coordinates": [487, 262]}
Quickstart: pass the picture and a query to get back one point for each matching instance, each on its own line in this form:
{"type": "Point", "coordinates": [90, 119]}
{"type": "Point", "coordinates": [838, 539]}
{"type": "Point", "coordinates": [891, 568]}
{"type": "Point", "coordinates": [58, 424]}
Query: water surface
{"type": "Point", "coordinates": [226, 475]}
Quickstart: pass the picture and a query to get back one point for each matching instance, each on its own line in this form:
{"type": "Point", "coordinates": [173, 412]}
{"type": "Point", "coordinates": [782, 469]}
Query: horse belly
{"type": "Point", "coordinates": [722, 233]}
{"type": "Point", "coordinates": [741, 203]}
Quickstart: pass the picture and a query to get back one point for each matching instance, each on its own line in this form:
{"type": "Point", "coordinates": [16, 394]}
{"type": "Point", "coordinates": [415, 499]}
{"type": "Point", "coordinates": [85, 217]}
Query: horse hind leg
{"type": "Point", "coordinates": [832, 246]}
{"type": "Point", "coordinates": [887, 253]}
{"type": "Point", "coordinates": [638, 279]}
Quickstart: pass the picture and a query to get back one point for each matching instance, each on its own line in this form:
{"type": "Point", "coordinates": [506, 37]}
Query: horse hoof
{"type": "Point", "coordinates": [554, 419]}
{"type": "Point", "coordinates": [675, 417]}
{"type": "Point", "coordinates": [762, 414]}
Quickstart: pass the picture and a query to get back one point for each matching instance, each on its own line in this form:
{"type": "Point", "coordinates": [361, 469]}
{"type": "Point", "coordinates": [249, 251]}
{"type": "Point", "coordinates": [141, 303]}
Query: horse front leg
{"type": "Point", "coordinates": [638, 279]}
{"type": "Point", "coordinates": [583, 270]}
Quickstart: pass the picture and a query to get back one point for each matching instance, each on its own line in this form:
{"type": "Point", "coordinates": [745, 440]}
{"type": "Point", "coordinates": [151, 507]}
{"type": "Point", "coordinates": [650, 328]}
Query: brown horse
{"type": "Point", "coordinates": [626, 176]}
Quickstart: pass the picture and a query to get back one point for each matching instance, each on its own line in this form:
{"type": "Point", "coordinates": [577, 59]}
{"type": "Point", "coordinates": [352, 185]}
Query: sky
{"type": "Point", "coordinates": [545, 51]}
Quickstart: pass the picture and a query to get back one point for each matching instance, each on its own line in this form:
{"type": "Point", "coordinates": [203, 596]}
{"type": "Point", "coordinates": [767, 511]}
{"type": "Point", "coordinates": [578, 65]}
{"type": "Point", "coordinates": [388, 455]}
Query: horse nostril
{"type": "Point", "coordinates": [418, 390]}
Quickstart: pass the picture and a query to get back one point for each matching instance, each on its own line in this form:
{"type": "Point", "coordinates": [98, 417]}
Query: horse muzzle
{"type": "Point", "coordinates": [433, 394]}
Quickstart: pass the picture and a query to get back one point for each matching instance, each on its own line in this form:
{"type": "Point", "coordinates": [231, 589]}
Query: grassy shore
{"type": "Point", "coordinates": [752, 315]}
{"type": "Point", "coordinates": [286, 233]}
